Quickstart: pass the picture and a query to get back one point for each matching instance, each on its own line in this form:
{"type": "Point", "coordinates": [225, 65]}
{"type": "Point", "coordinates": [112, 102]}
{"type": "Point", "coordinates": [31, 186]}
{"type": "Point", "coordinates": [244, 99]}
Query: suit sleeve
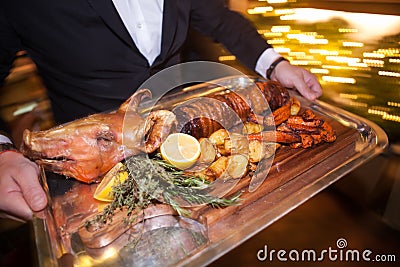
{"type": "Point", "coordinates": [236, 33]}
{"type": "Point", "coordinates": [9, 46]}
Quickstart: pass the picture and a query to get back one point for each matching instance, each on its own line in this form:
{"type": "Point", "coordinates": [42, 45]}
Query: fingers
{"type": "Point", "coordinates": [20, 191]}
{"type": "Point", "coordinates": [298, 78]}
{"type": "Point", "coordinates": [16, 208]}
{"type": "Point", "coordinates": [313, 84]}
{"type": "Point", "coordinates": [308, 86]}
{"type": "Point", "coordinates": [31, 188]}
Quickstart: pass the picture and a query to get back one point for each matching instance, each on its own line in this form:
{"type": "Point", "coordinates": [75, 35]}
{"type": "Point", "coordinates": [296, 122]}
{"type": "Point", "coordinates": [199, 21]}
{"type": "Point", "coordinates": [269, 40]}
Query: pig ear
{"type": "Point", "coordinates": [132, 103]}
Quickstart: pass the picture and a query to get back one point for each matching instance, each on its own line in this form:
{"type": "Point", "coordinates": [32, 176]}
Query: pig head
{"type": "Point", "coordinates": [87, 148]}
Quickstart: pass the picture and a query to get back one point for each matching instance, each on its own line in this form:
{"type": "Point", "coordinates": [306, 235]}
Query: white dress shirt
{"type": "Point", "coordinates": [143, 20]}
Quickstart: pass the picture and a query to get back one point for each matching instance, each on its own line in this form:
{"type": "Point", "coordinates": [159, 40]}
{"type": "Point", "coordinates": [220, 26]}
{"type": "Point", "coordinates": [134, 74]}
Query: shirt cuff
{"type": "Point", "coordinates": [5, 140]}
{"type": "Point", "coordinates": [265, 61]}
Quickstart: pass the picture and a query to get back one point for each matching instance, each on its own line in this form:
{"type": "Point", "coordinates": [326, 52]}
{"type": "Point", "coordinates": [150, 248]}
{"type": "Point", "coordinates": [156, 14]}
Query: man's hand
{"type": "Point", "coordinates": [20, 190]}
{"type": "Point", "coordinates": [297, 78]}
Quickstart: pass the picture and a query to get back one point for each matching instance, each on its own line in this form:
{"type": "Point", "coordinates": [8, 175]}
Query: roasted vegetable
{"type": "Point", "coordinates": [218, 167]}
{"type": "Point", "coordinates": [294, 106]}
{"type": "Point", "coordinates": [236, 144]}
{"type": "Point", "coordinates": [218, 137]}
{"type": "Point", "coordinates": [252, 127]}
{"type": "Point", "coordinates": [237, 166]}
{"type": "Point", "coordinates": [208, 151]}
{"type": "Point", "coordinates": [259, 150]}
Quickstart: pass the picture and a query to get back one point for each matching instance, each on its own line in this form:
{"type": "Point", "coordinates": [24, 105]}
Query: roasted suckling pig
{"type": "Point", "coordinates": [87, 148]}
{"type": "Point", "coordinates": [203, 116]}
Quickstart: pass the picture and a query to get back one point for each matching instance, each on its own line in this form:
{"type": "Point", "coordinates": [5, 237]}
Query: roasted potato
{"type": "Point", "coordinates": [218, 167]}
{"type": "Point", "coordinates": [208, 151]}
{"type": "Point", "coordinates": [294, 106]}
{"type": "Point", "coordinates": [252, 127]}
{"type": "Point", "coordinates": [259, 150]}
{"type": "Point", "coordinates": [237, 166]}
{"type": "Point", "coordinates": [236, 144]}
{"type": "Point", "coordinates": [255, 150]}
{"type": "Point", "coordinates": [218, 137]}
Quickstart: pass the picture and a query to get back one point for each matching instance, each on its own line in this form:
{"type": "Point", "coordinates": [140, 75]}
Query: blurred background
{"type": "Point", "coordinates": [353, 47]}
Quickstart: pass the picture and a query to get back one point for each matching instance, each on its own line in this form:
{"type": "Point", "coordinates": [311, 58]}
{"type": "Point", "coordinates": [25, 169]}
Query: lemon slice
{"type": "Point", "coordinates": [180, 150]}
{"type": "Point", "coordinates": [113, 177]}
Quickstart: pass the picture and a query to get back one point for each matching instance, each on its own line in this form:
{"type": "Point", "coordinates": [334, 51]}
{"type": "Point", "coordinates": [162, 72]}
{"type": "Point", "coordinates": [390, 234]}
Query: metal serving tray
{"type": "Point", "coordinates": [295, 176]}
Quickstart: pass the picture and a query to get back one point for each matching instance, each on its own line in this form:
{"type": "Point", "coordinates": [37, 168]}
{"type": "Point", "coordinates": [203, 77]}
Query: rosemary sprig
{"type": "Point", "coordinates": [152, 180]}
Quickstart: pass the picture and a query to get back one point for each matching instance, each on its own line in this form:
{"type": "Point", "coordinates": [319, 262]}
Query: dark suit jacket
{"type": "Point", "coordinates": [87, 58]}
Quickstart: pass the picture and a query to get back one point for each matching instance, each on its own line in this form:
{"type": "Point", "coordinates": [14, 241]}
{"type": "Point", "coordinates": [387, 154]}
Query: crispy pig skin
{"type": "Point", "coordinates": [87, 148]}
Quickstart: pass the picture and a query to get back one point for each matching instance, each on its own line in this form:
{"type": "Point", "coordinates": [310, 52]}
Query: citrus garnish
{"type": "Point", "coordinates": [113, 177]}
{"type": "Point", "coordinates": [180, 150]}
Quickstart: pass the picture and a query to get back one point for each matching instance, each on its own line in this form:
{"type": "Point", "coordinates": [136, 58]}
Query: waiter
{"type": "Point", "coordinates": [92, 55]}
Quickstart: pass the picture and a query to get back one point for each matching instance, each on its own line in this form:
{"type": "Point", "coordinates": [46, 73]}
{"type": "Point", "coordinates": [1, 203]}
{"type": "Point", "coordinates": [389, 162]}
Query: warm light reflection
{"type": "Point", "coordinates": [305, 62]}
{"type": "Point", "coordinates": [260, 10]}
{"type": "Point", "coordinates": [262, 31]}
{"type": "Point", "coordinates": [358, 104]}
{"type": "Point", "coordinates": [352, 44]}
{"type": "Point", "coordinates": [334, 67]}
{"type": "Point", "coordinates": [385, 115]}
{"type": "Point", "coordinates": [390, 52]}
{"type": "Point", "coordinates": [323, 52]}
{"type": "Point", "coordinates": [374, 62]}
{"type": "Point", "coordinates": [109, 253]}
{"type": "Point", "coordinates": [274, 1]}
{"type": "Point", "coordinates": [386, 109]}
{"type": "Point", "coordinates": [280, 28]}
{"type": "Point", "coordinates": [365, 96]}
{"type": "Point", "coordinates": [297, 54]}
{"type": "Point", "coordinates": [373, 55]}
{"type": "Point", "coordinates": [305, 57]}
{"type": "Point", "coordinates": [341, 30]}
{"type": "Point", "coordinates": [376, 112]}
{"type": "Point", "coordinates": [356, 96]}
{"type": "Point", "coordinates": [393, 104]}
{"type": "Point", "coordinates": [349, 102]}
{"type": "Point", "coordinates": [287, 17]}
{"type": "Point", "coordinates": [305, 38]}
{"type": "Point", "coordinates": [276, 41]}
{"type": "Point", "coordinates": [285, 11]}
{"type": "Point", "coordinates": [391, 117]}
{"type": "Point", "coordinates": [282, 50]}
{"type": "Point", "coordinates": [86, 260]}
{"type": "Point", "coordinates": [272, 34]}
{"type": "Point", "coordinates": [389, 73]}
{"type": "Point", "coordinates": [348, 96]}
{"type": "Point", "coordinates": [319, 71]}
{"type": "Point", "coordinates": [369, 26]}
{"type": "Point", "coordinates": [334, 79]}
{"type": "Point", "coordinates": [226, 58]}
{"type": "Point", "coordinates": [345, 52]}
{"type": "Point", "coordinates": [359, 65]}
{"type": "Point", "coordinates": [349, 57]}
{"type": "Point", "coordinates": [340, 59]}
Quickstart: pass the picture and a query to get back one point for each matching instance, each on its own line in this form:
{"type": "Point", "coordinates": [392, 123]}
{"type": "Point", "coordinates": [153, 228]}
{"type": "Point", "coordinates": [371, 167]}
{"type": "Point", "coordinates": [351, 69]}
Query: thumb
{"type": "Point", "coordinates": [304, 90]}
{"type": "Point", "coordinates": [31, 189]}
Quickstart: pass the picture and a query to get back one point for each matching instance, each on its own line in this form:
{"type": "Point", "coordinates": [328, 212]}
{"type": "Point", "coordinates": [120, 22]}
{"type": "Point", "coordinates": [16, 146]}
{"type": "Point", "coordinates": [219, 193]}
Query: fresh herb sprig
{"type": "Point", "coordinates": [152, 180]}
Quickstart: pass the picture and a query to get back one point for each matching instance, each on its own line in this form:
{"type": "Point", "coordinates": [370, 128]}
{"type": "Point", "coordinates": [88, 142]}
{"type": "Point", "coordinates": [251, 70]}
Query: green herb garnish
{"type": "Point", "coordinates": [152, 180]}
